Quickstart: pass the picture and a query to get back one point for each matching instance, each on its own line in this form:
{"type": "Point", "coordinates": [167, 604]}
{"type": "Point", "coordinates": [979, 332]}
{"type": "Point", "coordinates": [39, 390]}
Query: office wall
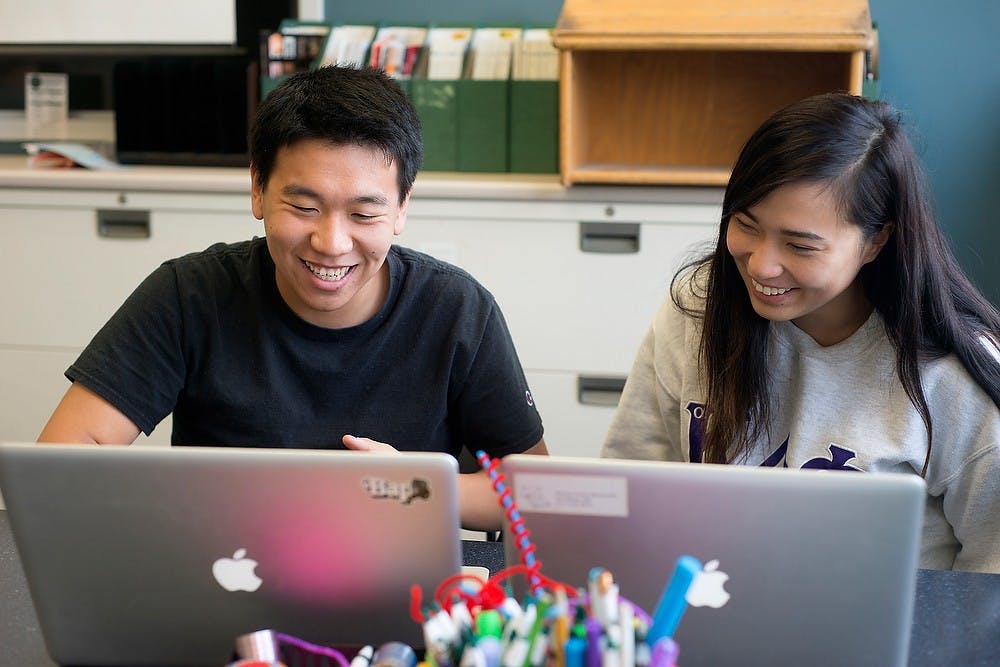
{"type": "Point", "coordinates": [135, 22]}
{"type": "Point", "coordinates": [939, 64]}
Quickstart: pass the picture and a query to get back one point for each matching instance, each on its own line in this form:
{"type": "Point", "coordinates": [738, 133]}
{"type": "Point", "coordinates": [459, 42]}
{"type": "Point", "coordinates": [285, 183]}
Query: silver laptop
{"type": "Point", "coordinates": [157, 555]}
{"type": "Point", "coordinates": [807, 567]}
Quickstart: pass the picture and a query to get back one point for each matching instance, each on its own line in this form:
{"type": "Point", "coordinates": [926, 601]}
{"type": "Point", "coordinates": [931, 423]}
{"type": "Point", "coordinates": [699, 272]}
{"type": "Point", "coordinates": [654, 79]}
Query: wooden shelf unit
{"type": "Point", "coordinates": [666, 92]}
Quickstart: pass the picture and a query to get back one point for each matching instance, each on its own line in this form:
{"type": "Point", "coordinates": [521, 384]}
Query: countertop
{"type": "Point", "coordinates": [15, 173]}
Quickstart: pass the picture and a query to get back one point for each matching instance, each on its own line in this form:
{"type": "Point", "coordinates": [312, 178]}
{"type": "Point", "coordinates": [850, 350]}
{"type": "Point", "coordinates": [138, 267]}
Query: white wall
{"type": "Point", "coordinates": [118, 21]}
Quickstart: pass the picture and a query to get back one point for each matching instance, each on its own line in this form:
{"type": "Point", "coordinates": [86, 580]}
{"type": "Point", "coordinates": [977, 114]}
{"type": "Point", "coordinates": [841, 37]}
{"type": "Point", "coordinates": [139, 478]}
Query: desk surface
{"type": "Point", "coordinates": [956, 622]}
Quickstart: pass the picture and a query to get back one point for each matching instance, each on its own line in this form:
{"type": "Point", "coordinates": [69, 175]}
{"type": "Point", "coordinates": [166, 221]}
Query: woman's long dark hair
{"type": "Point", "coordinates": [859, 149]}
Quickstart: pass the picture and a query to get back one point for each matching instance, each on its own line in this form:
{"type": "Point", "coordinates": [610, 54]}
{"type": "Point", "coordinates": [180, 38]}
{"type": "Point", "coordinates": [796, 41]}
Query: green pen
{"type": "Point", "coordinates": [542, 607]}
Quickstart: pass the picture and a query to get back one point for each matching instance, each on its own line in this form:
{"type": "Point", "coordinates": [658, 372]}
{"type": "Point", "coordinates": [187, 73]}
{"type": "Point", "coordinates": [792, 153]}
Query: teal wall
{"type": "Point", "coordinates": [940, 64]}
{"type": "Point", "coordinates": [543, 12]}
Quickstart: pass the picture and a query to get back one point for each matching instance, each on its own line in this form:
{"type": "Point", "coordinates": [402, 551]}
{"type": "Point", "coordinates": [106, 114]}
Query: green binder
{"type": "Point", "coordinates": [534, 127]}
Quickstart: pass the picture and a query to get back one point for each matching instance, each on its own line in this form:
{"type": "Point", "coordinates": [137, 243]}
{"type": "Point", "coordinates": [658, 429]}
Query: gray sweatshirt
{"type": "Point", "coordinates": [839, 407]}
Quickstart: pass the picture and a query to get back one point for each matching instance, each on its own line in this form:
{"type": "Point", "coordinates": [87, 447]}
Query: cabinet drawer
{"type": "Point", "coordinates": [577, 296]}
{"type": "Point", "coordinates": [33, 385]}
{"type": "Point", "coordinates": [74, 267]}
{"type": "Point", "coordinates": [573, 427]}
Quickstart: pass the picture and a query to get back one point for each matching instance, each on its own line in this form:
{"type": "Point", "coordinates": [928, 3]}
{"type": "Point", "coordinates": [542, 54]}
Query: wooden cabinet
{"type": "Point", "coordinates": [578, 273]}
{"type": "Point", "coordinates": [667, 92]}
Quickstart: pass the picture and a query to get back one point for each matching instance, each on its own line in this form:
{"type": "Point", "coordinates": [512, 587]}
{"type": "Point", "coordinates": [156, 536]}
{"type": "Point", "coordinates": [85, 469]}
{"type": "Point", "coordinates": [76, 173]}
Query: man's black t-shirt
{"type": "Point", "coordinates": [208, 337]}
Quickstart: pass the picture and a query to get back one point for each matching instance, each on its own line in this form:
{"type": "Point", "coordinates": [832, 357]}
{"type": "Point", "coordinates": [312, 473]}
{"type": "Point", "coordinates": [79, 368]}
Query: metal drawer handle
{"type": "Point", "coordinates": [606, 391]}
{"type": "Point", "coordinates": [123, 224]}
{"type": "Point", "coordinates": [609, 237]}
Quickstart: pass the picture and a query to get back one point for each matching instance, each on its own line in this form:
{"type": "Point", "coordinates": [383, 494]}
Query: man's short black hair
{"type": "Point", "coordinates": [341, 105]}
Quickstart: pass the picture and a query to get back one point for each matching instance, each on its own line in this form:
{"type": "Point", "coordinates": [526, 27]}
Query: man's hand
{"type": "Point", "coordinates": [366, 444]}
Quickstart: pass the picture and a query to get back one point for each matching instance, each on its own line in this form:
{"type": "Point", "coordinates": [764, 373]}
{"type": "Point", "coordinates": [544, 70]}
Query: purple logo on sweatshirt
{"type": "Point", "coordinates": [838, 460]}
{"type": "Point", "coordinates": [839, 457]}
{"type": "Point", "coordinates": [696, 429]}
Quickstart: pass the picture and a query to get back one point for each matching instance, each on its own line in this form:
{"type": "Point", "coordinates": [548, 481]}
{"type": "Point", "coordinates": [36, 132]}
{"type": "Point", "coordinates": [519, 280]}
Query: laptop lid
{"type": "Point", "coordinates": [821, 565]}
{"type": "Point", "coordinates": [145, 555]}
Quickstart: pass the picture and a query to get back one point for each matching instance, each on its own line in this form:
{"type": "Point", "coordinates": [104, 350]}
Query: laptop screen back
{"type": "Point", "coordinates": [165, 555]}
{"type": "Point", "coordinates": [811, 567]}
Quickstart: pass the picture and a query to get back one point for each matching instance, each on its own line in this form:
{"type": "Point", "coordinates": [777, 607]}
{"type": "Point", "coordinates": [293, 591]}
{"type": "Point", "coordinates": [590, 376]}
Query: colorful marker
{"type": "Point", "coordinates": [665, 653]}
{"type": "Point", "coordinates": [394, 654]}
{"type": "Point", "coordinates": [672, 603]}
{"type": "Point", "coordinates": [363, 657]}
{"type": "Point", "coordinates": [576, 651]}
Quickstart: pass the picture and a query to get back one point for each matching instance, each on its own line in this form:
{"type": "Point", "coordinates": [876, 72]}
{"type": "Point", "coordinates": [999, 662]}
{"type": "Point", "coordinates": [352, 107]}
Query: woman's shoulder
{"type": "Point", "coordinates": [682, 311]}
{"type": "Point", "coordinates": [685, 300]}
{"type": "Point", "coordinates": [946, 376]}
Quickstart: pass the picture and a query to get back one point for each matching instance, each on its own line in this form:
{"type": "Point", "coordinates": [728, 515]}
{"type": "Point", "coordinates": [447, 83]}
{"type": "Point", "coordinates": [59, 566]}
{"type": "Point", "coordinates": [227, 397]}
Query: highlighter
{"type": "Point", "coordinates": [575, 651]}
{"type": "Point", "coordinates": [672, 603]}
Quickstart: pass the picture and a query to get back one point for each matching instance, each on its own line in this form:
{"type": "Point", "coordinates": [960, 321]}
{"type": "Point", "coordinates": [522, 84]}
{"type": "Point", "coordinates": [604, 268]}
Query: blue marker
{"type": "Point", "coordinates": [575, 650]}
{"type": "Point", "coordinates": [672, 603]}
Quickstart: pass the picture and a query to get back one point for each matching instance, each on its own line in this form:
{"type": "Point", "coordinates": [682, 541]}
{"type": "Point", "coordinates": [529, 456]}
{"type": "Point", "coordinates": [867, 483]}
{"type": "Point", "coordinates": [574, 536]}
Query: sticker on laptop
{"type": "Point", "coordinates": [405, 492]}
{"type": "Point", "coordinates": [588, 495]}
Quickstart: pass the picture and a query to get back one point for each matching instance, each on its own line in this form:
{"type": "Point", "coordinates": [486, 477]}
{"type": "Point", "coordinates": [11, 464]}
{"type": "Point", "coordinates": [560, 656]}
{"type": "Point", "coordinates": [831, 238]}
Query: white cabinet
{"type": "Point", "coordinates": [578, 276]}
{"type": "Point", "coordinates": [578, 282]}
{"type": "Point", "coordinates": [68, 260]}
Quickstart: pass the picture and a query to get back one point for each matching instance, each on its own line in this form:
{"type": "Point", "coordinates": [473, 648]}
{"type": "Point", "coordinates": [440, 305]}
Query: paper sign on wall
{"type": "Point", "coordinates": [46, 105]}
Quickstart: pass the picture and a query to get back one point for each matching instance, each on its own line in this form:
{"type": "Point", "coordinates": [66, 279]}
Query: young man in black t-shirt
{"type": "Point", "coordinates": [322, 334]}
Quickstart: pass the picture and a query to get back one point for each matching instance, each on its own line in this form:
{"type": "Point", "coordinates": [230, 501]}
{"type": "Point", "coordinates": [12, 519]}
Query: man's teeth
{"type": "Point", "coordinates": [769, 291]}
{"type": "Point", "coordinates": [328, 274]}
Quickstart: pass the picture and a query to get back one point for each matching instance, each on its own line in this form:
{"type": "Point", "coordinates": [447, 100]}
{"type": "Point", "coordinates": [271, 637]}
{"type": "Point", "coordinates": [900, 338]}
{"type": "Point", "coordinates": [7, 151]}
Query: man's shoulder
{"type": "Point", "coordinates": [224, 254]}
{"type": "Point", "coordinates": [221, 268]}
{"type": "Point", "coordinates": [424, 269]}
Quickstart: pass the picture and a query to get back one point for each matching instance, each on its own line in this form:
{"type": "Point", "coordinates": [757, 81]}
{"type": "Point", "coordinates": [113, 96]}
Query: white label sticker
{"type": "Point", "coordinates": [46, 105]}
{"type": "Point", "coordinates": [590, 495]}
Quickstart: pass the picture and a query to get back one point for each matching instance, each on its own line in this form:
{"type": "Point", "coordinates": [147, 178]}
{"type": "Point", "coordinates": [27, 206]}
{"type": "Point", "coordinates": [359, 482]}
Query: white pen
{"type": "Point", "coordinates": [627, 619]}
{"type": "Point", "coordinates": [363, 657]}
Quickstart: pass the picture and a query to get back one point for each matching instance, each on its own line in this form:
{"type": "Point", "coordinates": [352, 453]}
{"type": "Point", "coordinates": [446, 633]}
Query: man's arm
{"type": "Point", "coordinates": [84, 417]}
{"type": "Point", "coordinates": [478, 502]}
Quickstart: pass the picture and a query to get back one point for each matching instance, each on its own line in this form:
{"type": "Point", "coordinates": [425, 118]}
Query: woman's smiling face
{"type": "Point", "coordinates": [800, 259]}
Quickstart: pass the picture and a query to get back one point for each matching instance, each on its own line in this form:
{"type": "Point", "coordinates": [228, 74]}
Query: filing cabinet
{"type": "Point", "coordinates": [578, 283]}
{"type": "Point", "coordinates": [578, 272]}
{"type": "Point", "coordinates": [67, 261]}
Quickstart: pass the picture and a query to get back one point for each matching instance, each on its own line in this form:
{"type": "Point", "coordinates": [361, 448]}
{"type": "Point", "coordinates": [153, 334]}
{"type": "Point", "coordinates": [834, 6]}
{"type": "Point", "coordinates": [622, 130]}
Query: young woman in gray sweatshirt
{"type": "Point", "coordinates": [830, 328]}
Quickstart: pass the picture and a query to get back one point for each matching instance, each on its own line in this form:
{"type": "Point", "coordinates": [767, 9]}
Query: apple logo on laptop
{"type": "Point", "coordinates": [708, 587]}
{"type": "Point", "coordinates": [237, 573]}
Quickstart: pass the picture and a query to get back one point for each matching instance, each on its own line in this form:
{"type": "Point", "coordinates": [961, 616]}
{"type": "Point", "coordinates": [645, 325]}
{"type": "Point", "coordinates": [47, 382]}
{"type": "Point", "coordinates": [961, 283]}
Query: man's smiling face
{"type": "Point", "coordinates": [330, 212]}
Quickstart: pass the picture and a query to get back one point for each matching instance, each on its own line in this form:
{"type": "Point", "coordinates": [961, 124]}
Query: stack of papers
{"type": "Point", "coordinates": [491, 53]}
{"type": "Point", "coordinates": [348, 45]}
{"type": "Point", "coordinates": [61, 154]}
{"type": "Point", "coordinates": [396, 48]}
{"type": "Point", "coordinates": [535, 58]}
{"type": "Point", "coordinates": [446, 48]}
